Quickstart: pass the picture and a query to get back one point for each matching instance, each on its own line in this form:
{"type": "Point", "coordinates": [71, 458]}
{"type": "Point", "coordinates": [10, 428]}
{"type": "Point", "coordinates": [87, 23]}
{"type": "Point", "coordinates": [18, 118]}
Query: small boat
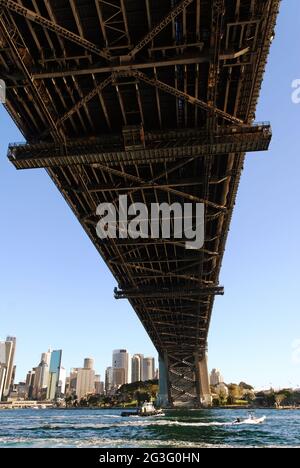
{"type": "Point", "coordinates": [251, 420]}
{"type": "Point", "coordinates": [147, 410]}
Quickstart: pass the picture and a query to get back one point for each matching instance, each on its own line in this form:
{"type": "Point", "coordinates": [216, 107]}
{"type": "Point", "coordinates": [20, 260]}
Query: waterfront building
{"type": "Point", "coordinates": [54, 375]}
{"type": "Point", "coordinates": [121, 361]}
{"type": "Point", "coordinates": [29, 385]}
{"type": "Point", "coordinates": [62, 382]}
{"type": "Point", "coordinates": [148, 369]}
{"type": "Point", "coordinates": [99, 386]}
{"type": "Point", "coordinates": [2, 379]}
{"type": "Point", "coordinates": [7, 356]}
{"type": "Point", "coordinates": [42, 377]}
{"type": "Point", "coordinates": [85, 379]}
{"type": "Point", "coordinates": [119, 377]}
{"type": "Point", "coordinates": [108, 380]}
{"type": "Point", "coordinates": [215, 377]}
{"type": "Point", "coordinates": [73, 381]}
{"type": "Point", "coordinates": [137, 368]}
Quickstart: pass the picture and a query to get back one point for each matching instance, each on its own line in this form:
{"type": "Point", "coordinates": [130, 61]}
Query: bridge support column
{"type": "Point", "coordinates": [164, 392]}
{"type": "Point", "coordinates": [203, 384]}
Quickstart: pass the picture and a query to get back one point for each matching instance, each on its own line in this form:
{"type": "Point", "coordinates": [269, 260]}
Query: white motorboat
{"type": "Point", "coordinates": [251, 420]}
{"type": "Point", "coordinates": [148, 409]}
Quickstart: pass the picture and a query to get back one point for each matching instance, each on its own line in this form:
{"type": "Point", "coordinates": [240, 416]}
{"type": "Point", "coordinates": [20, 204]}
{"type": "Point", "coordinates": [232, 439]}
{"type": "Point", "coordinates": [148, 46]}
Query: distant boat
{"type": "Point", "coordinates": [251, 420]}
{"type": "Point", "coordinates": [147, 410]}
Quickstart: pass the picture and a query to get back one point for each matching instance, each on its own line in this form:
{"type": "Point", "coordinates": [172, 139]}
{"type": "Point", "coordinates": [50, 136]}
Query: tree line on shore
{"type": "Point", "coordinates": [242, 394]}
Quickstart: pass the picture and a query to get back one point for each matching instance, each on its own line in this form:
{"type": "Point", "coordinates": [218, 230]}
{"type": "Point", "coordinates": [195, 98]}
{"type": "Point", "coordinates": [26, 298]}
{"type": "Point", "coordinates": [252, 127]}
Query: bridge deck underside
{"type": "Point", "coordinates": [83, 76]}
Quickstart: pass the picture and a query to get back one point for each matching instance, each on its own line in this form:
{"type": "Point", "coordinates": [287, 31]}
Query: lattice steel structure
{"type": "Point", "coordinates": [154, 99]}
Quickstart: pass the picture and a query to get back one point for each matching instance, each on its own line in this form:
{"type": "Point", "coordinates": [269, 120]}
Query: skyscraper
{"type": "Point", "coordinates": [99, 386]}
{"type": "Point", "coordinates": [137, 368]}
{"type": "Point", "coordinates": [108, 380]}
{"type": "Point", "coordinates": [42, 377]}
{"type": "Point", "coordinates": [121, 361]}
{"type": "Point", "coordinates": [88, 363]}
{"type": "Point", "coordinates": [119, 377]}
{"type": "Point", "coordinates": [215, 377]}
{"type": "Point", "coordinates": [148, 368]}
{"type": "Point", "coordinates": [2, 379]}
{"type": "Point", "coordinates": [86, 379]}
{"type": "Point", "coordinates": [7, 355]}
{"type": "Point", "coordinates": [73, 381]}
{"type": "Point", "coordinates": [54, 372]}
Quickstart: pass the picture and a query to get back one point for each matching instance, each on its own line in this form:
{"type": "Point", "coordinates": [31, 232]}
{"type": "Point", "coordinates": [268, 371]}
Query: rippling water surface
{"type": "Point", "coordinates": [107, 429]}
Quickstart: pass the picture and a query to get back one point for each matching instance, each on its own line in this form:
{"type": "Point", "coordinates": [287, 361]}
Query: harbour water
{"type": "Point", "coordinates": [177, 429]}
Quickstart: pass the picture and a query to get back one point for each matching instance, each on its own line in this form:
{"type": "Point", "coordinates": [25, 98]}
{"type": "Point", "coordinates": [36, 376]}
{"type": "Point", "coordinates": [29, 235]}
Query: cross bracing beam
{"type": "Point", "coordinates": [182, 95]}
{"type": "Point", "coordinates": [85, 100]}
{"type": "Point", "coordinates": [63, 32]}
{"type": "Point", "coordinates": [160, 26]}
{"type": "Point", "coordinates": [183, 59]}
{"type": "Point", "coordinates": [25, 156]}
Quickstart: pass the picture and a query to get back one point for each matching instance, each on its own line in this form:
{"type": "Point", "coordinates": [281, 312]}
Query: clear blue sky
{"type": "Point", "coordinates": [55, 289]}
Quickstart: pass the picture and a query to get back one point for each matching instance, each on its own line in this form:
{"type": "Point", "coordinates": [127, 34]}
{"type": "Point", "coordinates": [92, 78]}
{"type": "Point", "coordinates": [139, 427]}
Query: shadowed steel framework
{"type": "Point", "coordinates": [154, 99]}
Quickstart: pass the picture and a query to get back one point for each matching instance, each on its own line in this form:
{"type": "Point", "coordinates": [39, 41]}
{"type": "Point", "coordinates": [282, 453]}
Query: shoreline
{"type": "Point", "coordinates": [120, 408]}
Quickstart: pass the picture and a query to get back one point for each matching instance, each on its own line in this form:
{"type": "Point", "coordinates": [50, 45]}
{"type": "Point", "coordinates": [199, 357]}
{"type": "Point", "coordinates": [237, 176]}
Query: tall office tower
{"type": "Point", "coordinates": [30, 384]}
{"type": "Point", "coordinates": [137, 368]}
{"type": "Point", "coordinates": [148, 368]}
{"type": "Point", "coordinates": [62, 382]}
{"type": "Point", "coordinates": [215, 377]}
{"type": "Point", "coordinates": [7, 355]}
{"type": "Point", "coordinates": [109, 380]}
{"type": "Point", "coordinates": [86, 379]}
{"type": "Point", "coordinates": [121, 361]}
{"type": "Point", "coordinates": [42, 377]}
{"type": "Point", "coordinates": [13, 376]}
{"type": "Point", "coordinates": [119, 377]}
{"type": "Point", "coordinates": [88, 363]}
{"type": "Point", "coordinates": [54, 372]}
{"type": "Point", "coordinates": [73, 381]}
{"type": "Point", "coordinates": [2, 379]}
{"type": "Point", "coordinates": [99, 386]}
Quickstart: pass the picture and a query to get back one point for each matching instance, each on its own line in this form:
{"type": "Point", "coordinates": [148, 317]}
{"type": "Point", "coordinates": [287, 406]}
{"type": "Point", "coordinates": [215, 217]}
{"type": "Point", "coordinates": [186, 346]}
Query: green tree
{"type": "Point", "coordinates": [279, 399]}
{"type": "Point", "coordinates": [235, 393]}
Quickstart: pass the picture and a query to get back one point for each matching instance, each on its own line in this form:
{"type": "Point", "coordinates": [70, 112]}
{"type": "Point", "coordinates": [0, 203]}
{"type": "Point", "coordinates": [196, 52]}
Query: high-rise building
{"type": "Point", "coordinates": [2, 379]}
{"type": "Point", "coordinates": [109, 380]}
{"type": "Point", "coordinates": [62, 382]}
{"type": "Point", "coordinates": [29, 385]}
{"type": "Point", "coordinates": [54, 373]}
{"type": "Point", "coordinates": [42, 377]}
{"type": "Point", "coordinates": [99, 386]}
{"type": "Point", "coordinates": [216, 378]}
{"type": "Point", "coordinates": [88, 363]}
{"type": "Point", "coordinates": [119, 377]}
{"type": "Point", "coordinates": [121, 361]}
{"type": "Point", "coordinates": [86, 379]}
{"type": "Point", "coordinates": [7, 356]}
{"type": "Point", "coordinates": [73, 381]}
{"type": "Point", "coordinates": [148, 369]}
{"type": "Point", "coordinates": [137, 368]}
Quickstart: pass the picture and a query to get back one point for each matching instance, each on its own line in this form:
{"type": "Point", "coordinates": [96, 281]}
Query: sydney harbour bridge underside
{"type": "Point", "coordinates": [156, 100]}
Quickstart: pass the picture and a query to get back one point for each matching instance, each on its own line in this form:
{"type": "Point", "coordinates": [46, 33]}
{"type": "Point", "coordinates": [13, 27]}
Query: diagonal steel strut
{"type": "Point", "coordinates": [32, 16]}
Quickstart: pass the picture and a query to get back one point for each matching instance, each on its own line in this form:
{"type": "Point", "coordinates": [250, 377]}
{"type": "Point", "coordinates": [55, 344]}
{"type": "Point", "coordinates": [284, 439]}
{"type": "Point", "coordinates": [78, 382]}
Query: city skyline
{"type": "Point", "coordinates": [49, 380]}
{"type": "Point", "coordinates": [215, 374]}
